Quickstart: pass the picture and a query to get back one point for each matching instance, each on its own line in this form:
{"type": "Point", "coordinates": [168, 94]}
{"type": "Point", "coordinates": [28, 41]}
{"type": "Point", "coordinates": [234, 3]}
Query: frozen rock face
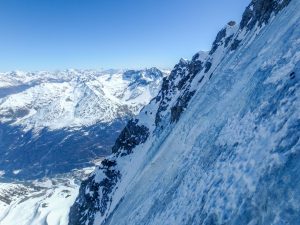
{"type": "Point", "coordinates": [220, 142]}
{"type": "Point", "coordinates": [53, 122]}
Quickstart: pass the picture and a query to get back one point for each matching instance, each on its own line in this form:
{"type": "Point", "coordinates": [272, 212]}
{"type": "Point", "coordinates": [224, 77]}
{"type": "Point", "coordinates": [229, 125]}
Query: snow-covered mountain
{"type": "Point", "coordinates": [74, 98]}
{"type": "Point", "coordinates": [53, 122]}
{"type": "Point", "coordinates": [220, 142]}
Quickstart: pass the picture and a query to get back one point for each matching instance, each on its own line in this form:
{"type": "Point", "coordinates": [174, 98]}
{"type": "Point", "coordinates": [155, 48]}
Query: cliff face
{"type": "Point", "coordinates": [220, 142]}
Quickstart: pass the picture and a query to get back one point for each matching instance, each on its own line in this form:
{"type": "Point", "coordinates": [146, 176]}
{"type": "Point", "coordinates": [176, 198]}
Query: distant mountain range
{"type": "Point", "coordinates": [53, 122]}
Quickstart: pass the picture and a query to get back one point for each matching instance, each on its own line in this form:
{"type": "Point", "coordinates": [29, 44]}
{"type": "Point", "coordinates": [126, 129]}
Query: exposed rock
{"type": "Point", "coordinates": [131, 136]}
{"type": "Point", "coordinates": [231, 23]}
{"type": "Point", "coordinates": [235, 44]}
{"type": "Point", "coordinates": [89, 202]}
{"type": "Point", "coordinates": [217, 42]}
{"type": "Point", "coordinates": [260, 11]}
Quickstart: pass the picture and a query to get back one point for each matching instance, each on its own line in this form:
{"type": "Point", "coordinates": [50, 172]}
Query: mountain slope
{"type": "Point", "coordinates": [53, 122]}
{"type": "Point", "coordinates": [220, 143]}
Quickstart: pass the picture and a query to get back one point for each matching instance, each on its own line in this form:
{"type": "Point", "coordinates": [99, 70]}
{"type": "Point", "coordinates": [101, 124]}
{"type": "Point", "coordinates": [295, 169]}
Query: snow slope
{"type": "Point", "coordinates": [220, 143]}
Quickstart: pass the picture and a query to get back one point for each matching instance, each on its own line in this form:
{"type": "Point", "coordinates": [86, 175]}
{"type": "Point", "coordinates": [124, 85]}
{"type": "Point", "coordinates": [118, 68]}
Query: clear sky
{"type": "Point", "coordinates": [94, 34]}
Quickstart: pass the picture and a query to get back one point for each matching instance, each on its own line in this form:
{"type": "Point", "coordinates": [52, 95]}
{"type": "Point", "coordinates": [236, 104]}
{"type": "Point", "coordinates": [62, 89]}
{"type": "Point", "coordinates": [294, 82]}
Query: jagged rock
{"type": "Point", "coordinates": [260, 11]}
{"type": "Point", "coordinates": [231, 23]}
{"type": "Point", "coordinates": [89, 203]}
{"type": "Point", "coordinates": [181, 105]}
{"type": "Point", "coordinates": [186, 71]}
{"type": "Point", "coordinates": [131, 136]}
{"type": "Point", "coordinates": [217, 41]}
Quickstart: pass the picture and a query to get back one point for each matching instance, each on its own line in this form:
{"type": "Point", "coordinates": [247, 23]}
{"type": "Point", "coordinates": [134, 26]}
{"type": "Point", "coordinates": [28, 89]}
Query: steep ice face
{"type": "Point", "coordinates": [220, 142]}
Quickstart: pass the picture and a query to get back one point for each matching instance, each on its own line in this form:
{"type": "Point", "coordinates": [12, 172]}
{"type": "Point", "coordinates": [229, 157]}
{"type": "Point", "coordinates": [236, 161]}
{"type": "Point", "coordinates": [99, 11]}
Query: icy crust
{"type": "Point", "coordinates": [223, 159]}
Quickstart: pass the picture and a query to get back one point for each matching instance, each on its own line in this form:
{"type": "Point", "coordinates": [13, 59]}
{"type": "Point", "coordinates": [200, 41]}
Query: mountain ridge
{"type": "Point", "coordinates": [153, 176]}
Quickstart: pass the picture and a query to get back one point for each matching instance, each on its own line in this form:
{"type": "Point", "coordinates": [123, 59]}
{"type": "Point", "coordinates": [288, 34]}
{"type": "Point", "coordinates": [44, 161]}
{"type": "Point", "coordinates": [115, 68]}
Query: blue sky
{"type": "Point", "coordinates": [94, 34]}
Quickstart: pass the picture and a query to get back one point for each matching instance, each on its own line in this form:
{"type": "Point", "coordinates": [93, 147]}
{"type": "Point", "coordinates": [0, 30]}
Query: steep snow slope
{"type": "Point", "coordinates": [54, 122]}
{"type": "Point", "coordinates": [220, 143]}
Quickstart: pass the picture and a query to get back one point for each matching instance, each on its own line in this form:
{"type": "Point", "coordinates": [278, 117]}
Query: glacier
{"type": "Point", "coordinates": [220, 142]}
